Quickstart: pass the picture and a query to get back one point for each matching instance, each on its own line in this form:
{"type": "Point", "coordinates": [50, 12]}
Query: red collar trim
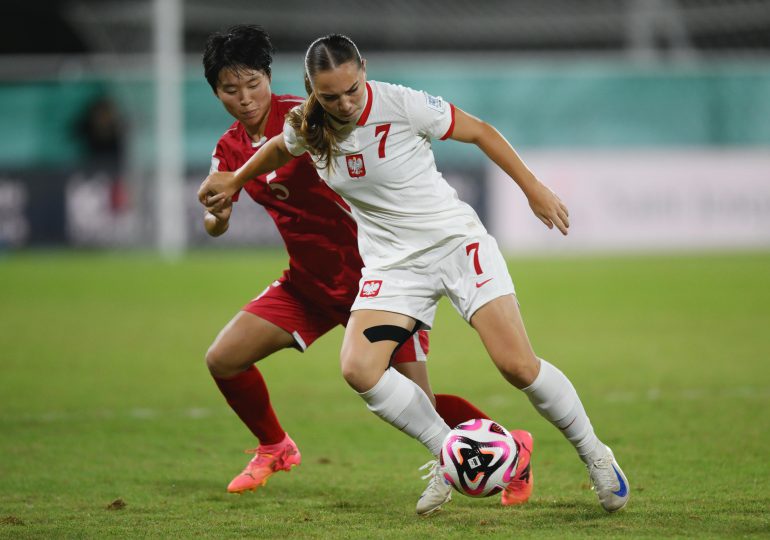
{"type": "Point", "coordinates": [365, 115]}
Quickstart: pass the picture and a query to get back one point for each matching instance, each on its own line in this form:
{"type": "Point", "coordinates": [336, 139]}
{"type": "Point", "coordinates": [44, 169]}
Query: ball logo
{"type": "Point", "coordinates": [478, 458]}
{"type": "Point", "coordinates": [495, 428]}
{"type": "Point", "coordinates": [478, 468]}
{"type": "Point", "coordinates": [356, 167]}
{"type": "Point", "coordinates": [371, 288]}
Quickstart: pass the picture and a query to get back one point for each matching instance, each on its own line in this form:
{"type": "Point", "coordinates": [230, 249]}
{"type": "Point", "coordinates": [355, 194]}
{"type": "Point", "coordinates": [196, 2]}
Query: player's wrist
{"type": "Point", "coordinates": [529, 184]}
{"type": "Point", "coordinates": [238, 179]}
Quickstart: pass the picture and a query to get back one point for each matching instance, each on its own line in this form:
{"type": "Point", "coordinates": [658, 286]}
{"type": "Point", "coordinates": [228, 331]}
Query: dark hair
{"type": "Point", "coordinates": [243, 46]}
{"type": "Point", "coordinates": [311, 120]}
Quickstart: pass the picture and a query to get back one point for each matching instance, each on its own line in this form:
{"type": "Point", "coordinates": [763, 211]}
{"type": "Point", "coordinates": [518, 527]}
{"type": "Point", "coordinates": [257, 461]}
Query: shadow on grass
{"type": "Point", "coordinates": [190, 486]}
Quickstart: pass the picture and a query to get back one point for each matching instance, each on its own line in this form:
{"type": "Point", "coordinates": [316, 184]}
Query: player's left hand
{"type": "Point", "coordinates": [548, 207]}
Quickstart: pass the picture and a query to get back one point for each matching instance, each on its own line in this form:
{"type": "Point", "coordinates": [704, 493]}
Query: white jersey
{"type": "Point", "coordinates": [387, 173]}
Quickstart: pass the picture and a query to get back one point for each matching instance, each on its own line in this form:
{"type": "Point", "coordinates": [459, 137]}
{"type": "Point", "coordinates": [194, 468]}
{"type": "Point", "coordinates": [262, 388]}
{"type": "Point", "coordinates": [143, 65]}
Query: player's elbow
{"type": "Point", "coordinates": [485, 133]}
{"type": "Point", "coordinates": [476, 131]}
{"type": "Point", "coordinates": [213, 226]}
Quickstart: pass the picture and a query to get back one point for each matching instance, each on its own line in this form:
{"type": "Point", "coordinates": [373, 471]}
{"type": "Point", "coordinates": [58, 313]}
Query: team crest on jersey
{"type": "Point", "coordinates": [371, 288]}
{"type": "Point", "coordinates": [435, 103]}
{"type": "Point", "coordinates": [356, 167]}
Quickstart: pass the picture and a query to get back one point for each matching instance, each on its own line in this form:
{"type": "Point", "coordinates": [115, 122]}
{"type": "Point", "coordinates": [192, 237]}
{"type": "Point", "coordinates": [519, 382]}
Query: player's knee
{"type": "Point", "coordinates": [213, 360]}
{"type": "Point", "coordinates": [220, 363]}
{"type": "Point", "coordinates": [350, 367]}
{"type": "Point", "coordinates": [519, 371]}
{"type": "Point", "coordinates": [359, 370]}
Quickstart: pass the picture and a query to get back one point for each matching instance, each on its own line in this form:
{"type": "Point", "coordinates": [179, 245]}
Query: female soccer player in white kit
{"type": "Point", "coordinates": [371, 142]}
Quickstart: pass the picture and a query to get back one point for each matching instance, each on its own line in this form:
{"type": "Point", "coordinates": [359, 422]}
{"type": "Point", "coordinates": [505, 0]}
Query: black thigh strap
{"type": "Point", "coordinates": [387, 332]}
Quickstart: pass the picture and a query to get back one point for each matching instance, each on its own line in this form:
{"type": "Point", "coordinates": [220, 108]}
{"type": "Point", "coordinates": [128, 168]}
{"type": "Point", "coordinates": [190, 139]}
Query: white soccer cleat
{"type": "Point", "coordinates": [437, 493]}
{"type": "Point", "coordinates": [610, 484]}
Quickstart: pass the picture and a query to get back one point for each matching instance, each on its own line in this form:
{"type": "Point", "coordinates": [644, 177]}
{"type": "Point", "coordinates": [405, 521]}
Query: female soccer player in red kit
{"type": "Point", "coordinates": [315, 294]}
{"type": "Point", "coordinates": [372, 143]}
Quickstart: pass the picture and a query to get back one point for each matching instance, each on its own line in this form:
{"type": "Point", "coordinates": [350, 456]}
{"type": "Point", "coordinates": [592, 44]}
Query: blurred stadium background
{"type": "Point", "coordinates": [651, 118]}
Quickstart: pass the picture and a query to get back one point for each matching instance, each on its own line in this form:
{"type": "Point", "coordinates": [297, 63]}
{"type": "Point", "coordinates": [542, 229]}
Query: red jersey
{"type": "Point", "coordinates": [314, 222]}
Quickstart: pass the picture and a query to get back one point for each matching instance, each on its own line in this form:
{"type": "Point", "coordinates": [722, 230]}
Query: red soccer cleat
{"type": "Point", "coordinates": [520, 488]}
{"type": "Point", "coordinates": [268, 459]}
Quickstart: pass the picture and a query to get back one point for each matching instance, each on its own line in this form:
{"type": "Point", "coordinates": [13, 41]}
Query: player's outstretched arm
{"type": "Point", "coordinates": [222, 184]}
{"type": "Point", "coordinates": [544, 202]}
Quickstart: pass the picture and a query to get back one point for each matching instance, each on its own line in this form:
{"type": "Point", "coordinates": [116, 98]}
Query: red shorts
{"type": "Point", "coordinates": [285, 307]}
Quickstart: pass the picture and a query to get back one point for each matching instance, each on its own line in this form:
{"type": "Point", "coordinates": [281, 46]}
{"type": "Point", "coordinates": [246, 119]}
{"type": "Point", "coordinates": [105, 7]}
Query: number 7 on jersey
{"type": "Point", "coordinates": [384, 129]}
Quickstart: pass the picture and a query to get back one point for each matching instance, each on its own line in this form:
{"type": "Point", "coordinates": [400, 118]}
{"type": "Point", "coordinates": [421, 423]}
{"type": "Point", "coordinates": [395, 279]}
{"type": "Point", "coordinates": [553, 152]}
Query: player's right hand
{"type": "Point", "coordinates": [216, 187]}
{"type": "Point", "coordinates": [548, 207]}
{"type": "Point", "coordinates": [221, 208]}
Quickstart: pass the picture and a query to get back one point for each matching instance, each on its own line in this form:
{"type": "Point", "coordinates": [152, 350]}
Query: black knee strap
{"type": "Point", "coordinates": [387, 332]}
{"type": "Point", "coordinates": [390, 332]}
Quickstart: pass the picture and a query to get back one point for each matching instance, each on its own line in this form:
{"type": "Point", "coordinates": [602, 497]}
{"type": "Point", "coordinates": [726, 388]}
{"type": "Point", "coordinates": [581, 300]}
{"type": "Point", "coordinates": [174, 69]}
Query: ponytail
{"type": "Point", "coordinates": [311, 122]}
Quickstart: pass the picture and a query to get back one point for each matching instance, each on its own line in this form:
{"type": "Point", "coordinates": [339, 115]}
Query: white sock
{"type": "Point", "coordinates": [404, 405]}
{"type": "Point", "coordinates": [555, 398]}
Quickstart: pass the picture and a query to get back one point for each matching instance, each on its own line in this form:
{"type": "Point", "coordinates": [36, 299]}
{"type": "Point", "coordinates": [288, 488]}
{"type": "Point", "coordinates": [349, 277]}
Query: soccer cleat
{"type": "Point", "coordinates": [437, 493]}
{"type": "Point", "coordinates": [520, 488]}
{"type": "Point", "coordinates": [609, 482]}
{"type": "Point", "coordinates": [280, 457]}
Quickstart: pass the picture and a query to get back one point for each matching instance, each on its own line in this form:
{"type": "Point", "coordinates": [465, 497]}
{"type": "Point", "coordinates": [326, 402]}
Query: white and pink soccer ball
{"type": "Point", "coordinates": [479, 458]}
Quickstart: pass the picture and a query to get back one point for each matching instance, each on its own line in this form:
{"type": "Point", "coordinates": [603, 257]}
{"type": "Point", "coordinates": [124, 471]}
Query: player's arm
{"type": "Point", "coordinates": [222, 184]}
{"type": "Point", "coordinates": [216, 220]}
{"type": "Point", "coordinates": [544, 202]}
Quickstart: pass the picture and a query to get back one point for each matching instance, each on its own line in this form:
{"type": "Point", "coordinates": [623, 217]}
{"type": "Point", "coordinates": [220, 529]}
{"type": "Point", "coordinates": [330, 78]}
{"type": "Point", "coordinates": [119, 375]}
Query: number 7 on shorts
{"type": "Point", "coordinates": [474, 247]}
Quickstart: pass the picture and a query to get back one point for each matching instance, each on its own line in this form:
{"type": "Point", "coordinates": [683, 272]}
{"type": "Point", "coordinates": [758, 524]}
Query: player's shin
{"type": "Point", "coordinates": [556, 399]}
{"type": "Point", "coordinates": [456, 410]}
{"type": "Point", "coordinates": [247, 395]}
{"type": "Point", "coordinates": [404, 405]}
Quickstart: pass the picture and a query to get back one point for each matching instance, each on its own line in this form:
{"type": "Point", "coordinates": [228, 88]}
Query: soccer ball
{"type": "Point", "coordinates": [479, 458]}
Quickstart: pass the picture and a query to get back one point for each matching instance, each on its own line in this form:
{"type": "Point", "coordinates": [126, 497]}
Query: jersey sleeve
{"type": "Point", "coordinates": [219, 163]}
{"type": "Point", "coordinates": [295, 143]}
{"type": "Point", "coordinates": [218, 159]}
{"type": "Point", "coordinates": [429, 116]}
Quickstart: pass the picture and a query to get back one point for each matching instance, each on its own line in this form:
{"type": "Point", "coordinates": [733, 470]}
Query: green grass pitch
{"type": "Point", "coordinates": [104, 396]}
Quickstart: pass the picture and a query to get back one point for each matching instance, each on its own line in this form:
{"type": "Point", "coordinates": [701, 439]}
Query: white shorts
{"type": "Point", "coordinates": [470, 271]}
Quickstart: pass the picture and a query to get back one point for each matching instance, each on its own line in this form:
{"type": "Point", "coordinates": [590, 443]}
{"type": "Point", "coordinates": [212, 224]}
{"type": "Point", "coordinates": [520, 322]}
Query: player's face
{"type": "Point", "coordinates": [341, 91]}
{"type": "Point", "coordinates": [245, 93]}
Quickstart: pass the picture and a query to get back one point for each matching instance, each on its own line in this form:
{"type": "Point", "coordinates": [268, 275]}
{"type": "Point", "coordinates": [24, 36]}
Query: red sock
{"type": "Point", "coordinates": [455, 410]}
{"type": "Point", "coordinates": [247, 395]}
